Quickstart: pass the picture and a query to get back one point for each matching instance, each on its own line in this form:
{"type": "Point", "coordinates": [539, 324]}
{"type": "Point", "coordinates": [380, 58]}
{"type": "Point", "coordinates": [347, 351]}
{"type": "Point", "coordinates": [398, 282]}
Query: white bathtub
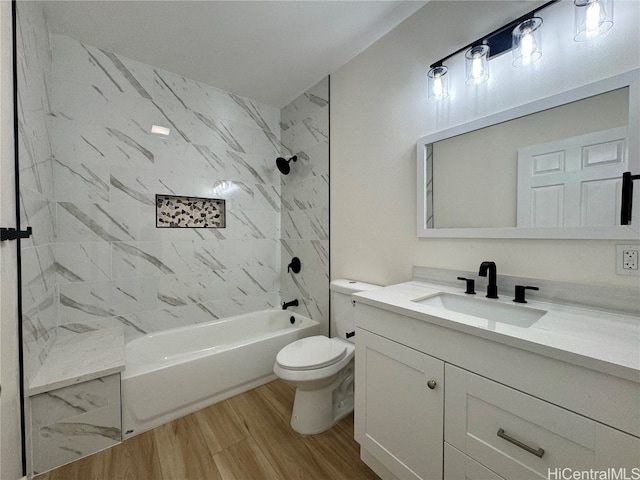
{"type": "Point", "coordinates": [175, 372]}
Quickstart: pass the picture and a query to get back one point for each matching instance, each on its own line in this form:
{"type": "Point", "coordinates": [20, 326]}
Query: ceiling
{"type": "Point", "coordinates": [269, 51]}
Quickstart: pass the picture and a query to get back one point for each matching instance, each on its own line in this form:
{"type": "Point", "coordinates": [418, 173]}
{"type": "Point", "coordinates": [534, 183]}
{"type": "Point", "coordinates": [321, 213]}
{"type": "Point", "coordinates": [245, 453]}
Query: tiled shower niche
{"type": "Point", "coordinates": [189, 212]}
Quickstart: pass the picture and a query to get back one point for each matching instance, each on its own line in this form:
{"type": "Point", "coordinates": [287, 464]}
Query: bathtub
{"type": "Point", "coordinates": [175, 372]}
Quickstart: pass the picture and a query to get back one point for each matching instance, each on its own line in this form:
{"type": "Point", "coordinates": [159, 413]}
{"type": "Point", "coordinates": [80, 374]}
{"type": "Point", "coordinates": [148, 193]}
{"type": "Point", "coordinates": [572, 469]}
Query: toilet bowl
{"type": "Point", "coordinates": [322, 369]}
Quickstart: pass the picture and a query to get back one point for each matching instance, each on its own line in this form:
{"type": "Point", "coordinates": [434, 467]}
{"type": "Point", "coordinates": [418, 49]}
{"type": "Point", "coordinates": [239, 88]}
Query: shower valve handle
{"type": "Point", "coordinates": [294, 266]}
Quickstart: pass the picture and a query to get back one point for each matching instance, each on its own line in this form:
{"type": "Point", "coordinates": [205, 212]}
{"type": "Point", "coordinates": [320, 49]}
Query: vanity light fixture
{"type": "Point", "coordinates": [526, 42]}
{"type": "Point", "coordinates": [592, 18]}
{"type": "Point", "coordinates": [158, 130]}
{"type": "Point", "coordinates": [521, 35]}
{"type": "Point", "coordinates": [438, 83]}
{"type": "Point", "coordinates": [477, 64]}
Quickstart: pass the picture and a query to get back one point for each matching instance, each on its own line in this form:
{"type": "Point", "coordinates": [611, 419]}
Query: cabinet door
{"type": "Point", "coordinates": [398, 416]}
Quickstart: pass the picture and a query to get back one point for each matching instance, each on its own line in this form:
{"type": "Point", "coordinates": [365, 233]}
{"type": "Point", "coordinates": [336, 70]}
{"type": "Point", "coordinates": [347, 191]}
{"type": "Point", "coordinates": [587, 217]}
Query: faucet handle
{"type": "Point", "coordinates": [471, 285]}
{"type": "Point", "coordinates": [295, 265]}
{"type": "Point", "coordinates": [520, 291]}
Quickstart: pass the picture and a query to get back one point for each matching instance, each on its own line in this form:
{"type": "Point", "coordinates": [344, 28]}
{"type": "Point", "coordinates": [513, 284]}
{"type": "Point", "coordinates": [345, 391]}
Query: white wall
{"type": "Point", "coordinates": [10, 458]}
{"type": "Point", "coordinates": [379, 109]}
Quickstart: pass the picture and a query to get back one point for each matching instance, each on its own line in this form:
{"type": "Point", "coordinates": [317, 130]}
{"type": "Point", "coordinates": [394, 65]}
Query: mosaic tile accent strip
{"type": "Point", "coordinates": [189, 212]}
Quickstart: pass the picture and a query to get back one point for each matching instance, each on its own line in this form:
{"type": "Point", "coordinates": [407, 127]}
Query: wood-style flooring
{"type": "Point", "coordinates": [245, 437]}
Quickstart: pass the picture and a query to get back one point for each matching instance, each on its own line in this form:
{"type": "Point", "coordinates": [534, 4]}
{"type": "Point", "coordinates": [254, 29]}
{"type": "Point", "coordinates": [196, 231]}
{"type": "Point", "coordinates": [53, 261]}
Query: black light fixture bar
{"type": "Point", "coordinates": [499, 40]}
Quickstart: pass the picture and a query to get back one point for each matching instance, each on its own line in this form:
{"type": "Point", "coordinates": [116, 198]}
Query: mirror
{"type": "Point", "coordinates": [549, 169]}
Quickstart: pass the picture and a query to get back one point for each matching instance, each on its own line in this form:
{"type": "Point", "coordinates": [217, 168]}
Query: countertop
{"type": "Point", "coordinates": [79, 358]}
{"type": "Point", "coordinates": [607, 342]}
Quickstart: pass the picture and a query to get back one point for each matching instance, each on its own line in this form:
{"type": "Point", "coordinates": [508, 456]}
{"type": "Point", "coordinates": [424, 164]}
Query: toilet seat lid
{"type": "Point", "coordinates": [311, 352]}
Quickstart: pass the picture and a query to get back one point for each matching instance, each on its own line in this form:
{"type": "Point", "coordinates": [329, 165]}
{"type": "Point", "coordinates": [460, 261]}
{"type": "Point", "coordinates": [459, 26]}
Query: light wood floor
{"type": "Point", "coordinates": [245, 437]}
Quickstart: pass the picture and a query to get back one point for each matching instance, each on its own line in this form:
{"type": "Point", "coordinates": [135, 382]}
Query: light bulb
{"type": "Point", "coordinates": [437, 85]}
{"type": "Point", "coordinates": [527, 45]}
{"type": "Point", "coordinates": [477, 64]}
{"type": "Point", "coordinates": [526, 41]}
{"type": "Point", "coordinates": [476, 67]}
{"type": "Point", "coordinates": [594, 18]}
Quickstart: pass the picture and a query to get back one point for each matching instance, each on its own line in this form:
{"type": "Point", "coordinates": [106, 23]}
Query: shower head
{"type": "Point", "coordinates": [283, 165]}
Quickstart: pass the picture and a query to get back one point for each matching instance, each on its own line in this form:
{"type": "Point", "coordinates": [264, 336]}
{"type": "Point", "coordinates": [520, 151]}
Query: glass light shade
{"type": "Point", "coordinates": [526, 41]}
{"type": "Point", "coordinates": [592, 18]}
{"type": "Point", "coordinates": [477, 64]}
{"type": "Point", "coordinates": [438, 83]}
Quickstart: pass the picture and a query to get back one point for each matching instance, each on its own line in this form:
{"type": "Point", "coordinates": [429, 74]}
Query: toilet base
{"type": "Point", "coordinates": [315, 411]}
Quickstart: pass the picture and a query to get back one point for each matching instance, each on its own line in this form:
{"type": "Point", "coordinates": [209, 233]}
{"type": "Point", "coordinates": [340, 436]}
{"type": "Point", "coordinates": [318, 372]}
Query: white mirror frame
{"type": "Point", "coordinates": [629, 79]}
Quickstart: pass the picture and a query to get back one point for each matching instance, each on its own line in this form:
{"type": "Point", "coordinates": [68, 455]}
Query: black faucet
{"type": "Point", "coordinates": [292, 303]}
{"type": "Point", "coordinates": [492, 287]}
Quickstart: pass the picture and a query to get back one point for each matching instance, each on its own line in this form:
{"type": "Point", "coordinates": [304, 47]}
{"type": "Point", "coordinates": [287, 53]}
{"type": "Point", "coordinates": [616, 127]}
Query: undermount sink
{"type": "Point", "coordinates": [484, 308]}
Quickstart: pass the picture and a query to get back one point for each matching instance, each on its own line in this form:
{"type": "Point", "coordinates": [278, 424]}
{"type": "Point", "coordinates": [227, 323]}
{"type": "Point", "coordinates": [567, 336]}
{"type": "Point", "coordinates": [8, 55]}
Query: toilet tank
{"type": "Point", "coordinates": [342, 310]}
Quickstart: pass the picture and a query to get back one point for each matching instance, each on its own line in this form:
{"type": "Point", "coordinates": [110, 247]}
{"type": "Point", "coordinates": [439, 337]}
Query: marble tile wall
{"type": "Point", "coordinates": [113, 266]}
{"type": "Point", "coordinates": [90, 171]}
{"type": "Point", "coordinates": [37, 203]}
{"type": "Point", "coordinates": [304, 127]}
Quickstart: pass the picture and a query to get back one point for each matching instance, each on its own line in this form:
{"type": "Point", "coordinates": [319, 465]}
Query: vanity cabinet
{"type": "Point", "coordinates": [399, 406]}
{"type": "Point", "coordinates": [506, 413]}
{"type": "Point", "coordinates": [459, 466]}
{"type": "Point", "coordinates": [519, 436]}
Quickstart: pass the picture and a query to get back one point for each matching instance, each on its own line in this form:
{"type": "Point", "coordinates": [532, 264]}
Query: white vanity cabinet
{"type": "Point", "coordinates": [497, 411]}
{"type": "Point", "coordinates": [458, 466]}
{"type": "Point", "coordinates": [519, 436]}
{"type": "Point", "coordinates": [400, 387]}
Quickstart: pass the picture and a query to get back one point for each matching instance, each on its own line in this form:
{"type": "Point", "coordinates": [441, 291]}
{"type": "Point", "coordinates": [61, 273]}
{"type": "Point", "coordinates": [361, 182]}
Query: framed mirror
{"type": "Point", "coordinates": [547, 169]}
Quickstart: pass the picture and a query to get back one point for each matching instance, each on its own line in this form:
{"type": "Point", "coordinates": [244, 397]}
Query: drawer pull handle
{"type": "Point", "coordinates": [537, 452]}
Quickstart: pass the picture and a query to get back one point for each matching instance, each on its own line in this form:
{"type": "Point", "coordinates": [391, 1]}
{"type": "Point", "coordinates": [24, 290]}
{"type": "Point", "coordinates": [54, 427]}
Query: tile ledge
{"type": "Point", "coordinates": [80, 358]}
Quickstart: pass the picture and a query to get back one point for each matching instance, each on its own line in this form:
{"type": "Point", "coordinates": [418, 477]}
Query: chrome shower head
{"type": "Point", "coordinates": [283, 164]}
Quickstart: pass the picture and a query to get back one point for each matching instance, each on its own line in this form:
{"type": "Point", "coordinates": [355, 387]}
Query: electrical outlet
{"type": "Point", "coordinates": [627, 259]}
{"type": "Point", "coordinates": [630, 259]}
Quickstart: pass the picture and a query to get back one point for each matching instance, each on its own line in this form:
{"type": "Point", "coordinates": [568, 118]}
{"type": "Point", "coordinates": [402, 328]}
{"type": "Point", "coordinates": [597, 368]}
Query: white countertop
{"type": "Point", "coordinates": [607, 342]}
{"type": "Point", "coordinates": [79, 358]}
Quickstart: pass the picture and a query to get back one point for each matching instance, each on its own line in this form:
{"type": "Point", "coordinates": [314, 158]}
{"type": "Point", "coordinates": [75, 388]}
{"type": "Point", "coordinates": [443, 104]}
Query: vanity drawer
{"type": "Point", "coordinates": [519, 436]}
{"type": "Point", "coordinates": [457, 466]}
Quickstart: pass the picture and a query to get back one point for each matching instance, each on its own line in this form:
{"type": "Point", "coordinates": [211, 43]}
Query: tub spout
{"type": "Point", "coordinates": [292, 303]}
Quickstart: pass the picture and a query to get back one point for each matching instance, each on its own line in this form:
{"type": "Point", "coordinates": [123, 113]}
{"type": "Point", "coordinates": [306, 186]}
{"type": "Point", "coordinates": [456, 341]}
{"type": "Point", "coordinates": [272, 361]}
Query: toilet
{"type": "Point", "coordinates": [321, 368]}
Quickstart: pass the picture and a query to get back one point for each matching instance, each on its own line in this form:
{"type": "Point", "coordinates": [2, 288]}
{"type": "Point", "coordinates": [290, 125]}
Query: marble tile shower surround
{"type": "Point", "coordinates": [304, 128]}
{"type": "Point", "coordinates": [37, 201]}
{"type": "Point", "coordinates": [96, 259]}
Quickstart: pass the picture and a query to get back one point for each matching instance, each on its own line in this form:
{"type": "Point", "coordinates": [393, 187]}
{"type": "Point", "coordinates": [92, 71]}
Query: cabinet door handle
{"type": "Point", "coordinates": [431, 384]}
{"type": "Point", "coordinates": [537, 452]}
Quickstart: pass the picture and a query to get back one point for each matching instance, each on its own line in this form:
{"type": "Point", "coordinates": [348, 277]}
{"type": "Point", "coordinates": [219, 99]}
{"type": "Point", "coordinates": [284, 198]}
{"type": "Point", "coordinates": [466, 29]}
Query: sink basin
{"type": "Point", "coordinates": [484, 308]}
